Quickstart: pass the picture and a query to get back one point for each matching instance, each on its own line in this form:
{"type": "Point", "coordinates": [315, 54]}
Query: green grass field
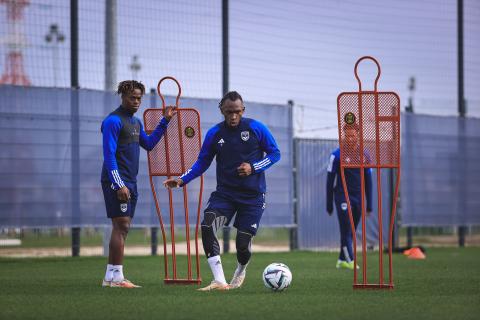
{"type": "Point", "coordinates": [444, 286]}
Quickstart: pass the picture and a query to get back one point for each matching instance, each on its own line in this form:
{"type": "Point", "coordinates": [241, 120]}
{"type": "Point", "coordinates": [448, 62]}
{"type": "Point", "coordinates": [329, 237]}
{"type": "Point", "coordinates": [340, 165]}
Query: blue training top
{"type": "Point", "coordinates": [248, 142]}
{"type": "Point", "coordinates": [352, 177]}
{"type": "Point", "coordinates": [123, 135]}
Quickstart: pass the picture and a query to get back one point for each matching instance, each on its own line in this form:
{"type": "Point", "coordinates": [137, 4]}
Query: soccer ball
{"type": "Point", "coordinates": [277, 276]}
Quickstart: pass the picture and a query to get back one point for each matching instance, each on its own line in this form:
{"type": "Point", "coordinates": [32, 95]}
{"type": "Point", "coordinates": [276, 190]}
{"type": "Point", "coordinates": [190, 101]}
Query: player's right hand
{"type": "Point", "coordinates": [123, 194]}
{"type": "Point", "coordinates": [173, 183]}
{"type": "Point", "coordinates": [169, 112]}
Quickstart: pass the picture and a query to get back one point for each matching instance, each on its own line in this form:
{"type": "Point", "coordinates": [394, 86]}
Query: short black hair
{"type": "Point", "coordinates": [129, 86]}
{"type": "Point", "coordinates": [231, 95]}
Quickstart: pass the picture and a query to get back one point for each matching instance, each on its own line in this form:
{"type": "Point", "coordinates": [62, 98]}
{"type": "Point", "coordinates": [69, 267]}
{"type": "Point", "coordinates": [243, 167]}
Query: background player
{"type": "Point", "coordinates": [335, 187]}
{"type": "Point", "coordinates": [123, 135]}
{"type": "Point", "coordinates": [244, 148]}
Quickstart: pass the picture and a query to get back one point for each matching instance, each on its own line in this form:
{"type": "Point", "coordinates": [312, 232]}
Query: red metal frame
{"type": "Point", "coordinates": [395, 120]}
{"type": "Point", "coordinates": [181, 112]}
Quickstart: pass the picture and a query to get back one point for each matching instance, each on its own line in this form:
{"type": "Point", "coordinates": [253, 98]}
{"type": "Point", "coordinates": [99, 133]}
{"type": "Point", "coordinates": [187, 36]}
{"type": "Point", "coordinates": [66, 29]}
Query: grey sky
{"type": "Point", "coordinates": [300, 50]}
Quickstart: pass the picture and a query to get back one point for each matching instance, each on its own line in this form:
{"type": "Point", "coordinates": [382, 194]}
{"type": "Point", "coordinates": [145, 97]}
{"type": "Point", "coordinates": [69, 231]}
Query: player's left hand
{"type": "Point", "coordinates": [244, 170]}
{"type": "Point", "coordinates": [369, 212]}
{"type": "Point", "coordinates": [170, 111]}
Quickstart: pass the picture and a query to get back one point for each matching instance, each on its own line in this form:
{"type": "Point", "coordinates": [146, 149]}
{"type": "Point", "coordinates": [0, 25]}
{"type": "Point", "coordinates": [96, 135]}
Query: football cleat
{"type": "Point", "coordinates": [342, 264]}
{"type": "Point", "coordinates": [237, 280]}
{"type": "Point", "coordinates": [214, 285]}
{"type": "Point", "coordinates": [121, 284]}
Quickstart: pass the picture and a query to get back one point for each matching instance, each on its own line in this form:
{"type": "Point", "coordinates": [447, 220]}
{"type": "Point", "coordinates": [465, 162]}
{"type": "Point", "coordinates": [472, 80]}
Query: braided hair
{"type": "Point", "coordinates": [129, 86]}
{"type": "Point", "coordinates": [232, 95]}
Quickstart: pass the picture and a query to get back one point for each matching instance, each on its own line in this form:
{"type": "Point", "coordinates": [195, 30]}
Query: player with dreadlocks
{"type": "Point", "coordinates": [244, 148]}
{"type": "Point", "coordinates": [123, 135]}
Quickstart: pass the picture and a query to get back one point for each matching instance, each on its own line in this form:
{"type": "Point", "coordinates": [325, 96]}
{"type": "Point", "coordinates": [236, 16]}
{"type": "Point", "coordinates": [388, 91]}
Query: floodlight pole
{"type": "Point", "coordinates": [409, 109]}
{"type": "Point", "coordinates": [461, 113]}
{"type": "Point", "coordinates": [55, 37]}
{"type": "Point", "coordinates": [135, 67]}
{"type": "Point", "coordinates": [461, 101]}
{"type": "Point", "coordinates": [153, 229]}
{"type": "Point", "coordinates": [294, 229]}
{"type": "Point", "coordinates": [110, 44]}
{"type": "Point", "coordinates": [225, 88]}
{"type": "Point", "coordinates": [75, 126]}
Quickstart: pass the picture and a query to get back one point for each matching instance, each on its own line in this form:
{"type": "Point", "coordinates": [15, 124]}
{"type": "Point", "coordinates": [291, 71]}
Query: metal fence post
{"type": "Point", "coordinates": [293, 230]}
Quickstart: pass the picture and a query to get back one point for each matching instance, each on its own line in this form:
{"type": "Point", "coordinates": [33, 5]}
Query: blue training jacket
{"type": "Point", "coordinates": [123, 135]}
{"type": "Point", "coordinates": [249, 142]}
{"type": "Point", "coordinates": [353, 180]}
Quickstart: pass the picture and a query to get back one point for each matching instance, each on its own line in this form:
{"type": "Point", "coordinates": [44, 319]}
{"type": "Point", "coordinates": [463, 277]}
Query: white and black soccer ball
{"type": "Point", "coordinates": [277, 276]}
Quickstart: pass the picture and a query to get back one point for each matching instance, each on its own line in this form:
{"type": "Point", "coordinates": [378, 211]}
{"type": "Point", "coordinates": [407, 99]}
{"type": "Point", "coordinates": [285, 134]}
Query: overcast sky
{"type": "Point", "coordinates": [279, 50]}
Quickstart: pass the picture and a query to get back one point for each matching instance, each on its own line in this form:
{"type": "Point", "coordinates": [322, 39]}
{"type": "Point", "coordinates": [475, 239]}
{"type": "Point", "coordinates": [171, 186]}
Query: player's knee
{"type": "Point", "coordinates": [206, 231]}
{"type": "Point", "coordinates": [208, 218]}
{"type": "Point", "coordinates": [348, 235]}
{"type": "Point", "coordinates": [346, 241]}
{"type": "Point", "coordinates": [122, 227]}
{"type": "Point", "coordinates": [243, 241]}
{"type": "Point", "coordinates": [207, 223]}
{"type": "Point", "coordinates": [210, 242]}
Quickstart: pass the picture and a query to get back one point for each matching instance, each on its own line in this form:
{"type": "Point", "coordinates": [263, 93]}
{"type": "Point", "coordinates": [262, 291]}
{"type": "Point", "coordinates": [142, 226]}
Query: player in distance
{"type": "Point", "coordinates": [335, 190]}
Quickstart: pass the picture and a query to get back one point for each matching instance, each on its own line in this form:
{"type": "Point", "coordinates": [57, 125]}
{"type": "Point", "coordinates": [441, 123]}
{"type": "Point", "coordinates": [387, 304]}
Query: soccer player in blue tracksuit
{"type": "Point", "coordinates": [244, 148]}
{"type": "Point", "coordinates": [123, 135]}
{"type": "Point", "coordinates": [335, 189]}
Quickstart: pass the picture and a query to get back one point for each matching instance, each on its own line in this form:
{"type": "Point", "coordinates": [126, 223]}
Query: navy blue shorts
{"type": "Point", "coordinates": [114, 207]}
{"type": "Point", "coordinates": [248, 210]}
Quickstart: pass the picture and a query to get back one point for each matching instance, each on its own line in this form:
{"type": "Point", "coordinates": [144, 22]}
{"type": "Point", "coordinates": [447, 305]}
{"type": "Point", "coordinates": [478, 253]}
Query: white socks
{"type": "Point", "coordinates": [215, 264]}
{"type": "Point", "coordinates": [118, 273]}
{"type": "Point", "coordinates": [240, 269]}
{"type": "Point", "coordinates": [109, 272]}
{"type": "Point", "coordinates": [114, 273]}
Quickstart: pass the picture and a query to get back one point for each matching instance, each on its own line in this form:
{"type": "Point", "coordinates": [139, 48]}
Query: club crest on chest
{"type": "Point", "coordinates": [245, 135]}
